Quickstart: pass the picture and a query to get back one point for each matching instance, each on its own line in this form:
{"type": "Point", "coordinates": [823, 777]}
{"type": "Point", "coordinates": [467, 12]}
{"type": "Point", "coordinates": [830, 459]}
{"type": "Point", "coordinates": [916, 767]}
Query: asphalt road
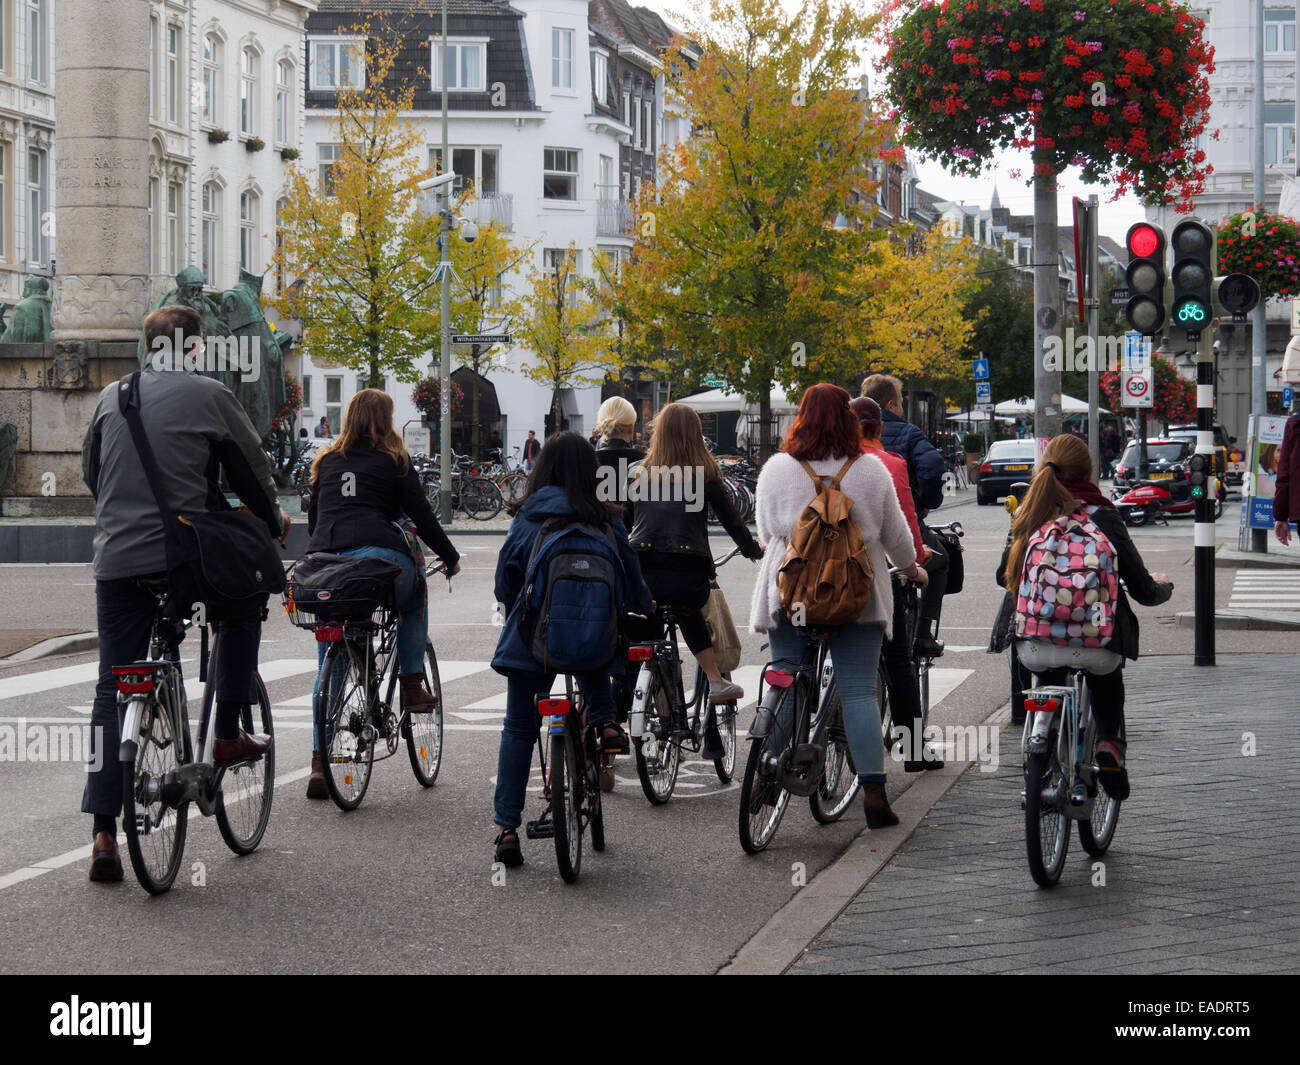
{"type": "Point", "coordinates": [405, 883]}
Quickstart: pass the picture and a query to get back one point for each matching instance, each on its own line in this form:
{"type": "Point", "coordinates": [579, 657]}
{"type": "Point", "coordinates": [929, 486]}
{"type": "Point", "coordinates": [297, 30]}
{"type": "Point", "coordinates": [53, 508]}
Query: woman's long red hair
{"type": "Point", "coordinates": [825, 427]}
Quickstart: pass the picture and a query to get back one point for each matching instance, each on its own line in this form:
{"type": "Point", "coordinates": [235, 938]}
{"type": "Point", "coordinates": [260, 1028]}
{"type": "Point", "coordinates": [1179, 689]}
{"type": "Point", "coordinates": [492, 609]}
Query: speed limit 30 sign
{"type": "Point", "coordinates": [1135, 388]}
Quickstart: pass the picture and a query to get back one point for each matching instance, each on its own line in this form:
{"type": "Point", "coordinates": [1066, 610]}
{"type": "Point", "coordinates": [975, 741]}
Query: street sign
{"type": "Point", "coordinates": [1136, 390]}
{"type": "Point", "coordinates": [984, 406]}
{"type": "Point", "coordinates": [1288, 395]}
{"type": "Point", "coordinates": [1119, 296]}
{"type": "Point", "coordinates": [983, 392]}
{"type": "Point", "coordinates": [714, 382]}
{"type": "Point", "coordinates": [1137, 351]}
{"type": "Point", "coordinates": [980, 367]}
{"type": "Point", "coordinates": [480, 338]}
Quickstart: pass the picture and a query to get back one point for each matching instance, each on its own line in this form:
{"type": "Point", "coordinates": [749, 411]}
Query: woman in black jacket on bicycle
{"type": "Point", "coordinates": [670, 531]}
{"type": "Point", "coordinates": [361, 484]}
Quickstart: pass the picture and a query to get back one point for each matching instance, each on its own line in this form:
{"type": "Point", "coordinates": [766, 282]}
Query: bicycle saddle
{"type": "Point", "coordinates": [1039, 655]}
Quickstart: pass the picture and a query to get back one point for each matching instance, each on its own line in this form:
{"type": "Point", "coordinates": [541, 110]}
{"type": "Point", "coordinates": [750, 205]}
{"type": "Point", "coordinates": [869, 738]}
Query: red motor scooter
{"type": "Point", "coordinates": [1161, 495]}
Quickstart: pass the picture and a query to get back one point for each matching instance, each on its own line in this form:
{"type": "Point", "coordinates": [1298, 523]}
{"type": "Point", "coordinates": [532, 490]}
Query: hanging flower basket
{"type": "Point", "coordinates": [288, 154]}
{"type": "Point", "coordinates": [218, 136]}
{"type": "Point", "coordinates": [254, 144]}
{"type": "Point", "coordinates": [426, 396]}
{"type": "Point", "coordinates": [1266, 246]}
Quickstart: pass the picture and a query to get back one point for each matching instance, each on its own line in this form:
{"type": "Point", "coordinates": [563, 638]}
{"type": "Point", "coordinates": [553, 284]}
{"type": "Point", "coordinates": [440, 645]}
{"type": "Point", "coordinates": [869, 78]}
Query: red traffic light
{"type": "Point", "coordinates": [1144, 240]}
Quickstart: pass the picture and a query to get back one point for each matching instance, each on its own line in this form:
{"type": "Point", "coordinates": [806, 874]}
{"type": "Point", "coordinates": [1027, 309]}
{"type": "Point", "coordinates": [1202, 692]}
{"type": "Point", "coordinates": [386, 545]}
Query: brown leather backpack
{"type": "Point", "coordinates": [825, 576]}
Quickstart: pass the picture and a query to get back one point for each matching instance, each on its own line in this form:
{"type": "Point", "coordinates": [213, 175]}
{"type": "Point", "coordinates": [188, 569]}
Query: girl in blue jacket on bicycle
{"type": "Point", "coordinates": [562, 484]}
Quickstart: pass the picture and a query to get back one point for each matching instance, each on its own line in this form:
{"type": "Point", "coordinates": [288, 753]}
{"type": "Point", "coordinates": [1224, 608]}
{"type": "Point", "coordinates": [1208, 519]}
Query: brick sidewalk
{"type": "Point", "coordinates": [1201, 878]}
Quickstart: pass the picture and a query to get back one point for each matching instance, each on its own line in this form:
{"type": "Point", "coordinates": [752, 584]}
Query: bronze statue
{"type": "Point", "coordinates": [261, 394]}
{"type": "Point", "coordinates": [30, 323]}
{"type": "Point", "coordinates": [189, 292]}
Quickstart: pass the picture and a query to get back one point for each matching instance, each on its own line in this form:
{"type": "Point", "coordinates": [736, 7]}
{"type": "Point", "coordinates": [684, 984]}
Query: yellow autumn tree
{"type": "Point", "coordinates": [358, 245]}
{"type": "Point", "coordinates": [559, 317]}
{"type": "Point", "coordinates": [917, 319]}
{"type": "Point", "coordinates": [739, 270]}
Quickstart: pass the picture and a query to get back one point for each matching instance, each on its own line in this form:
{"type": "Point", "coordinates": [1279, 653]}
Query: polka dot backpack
{"type": "Point", "coordinates": [1069, 584]}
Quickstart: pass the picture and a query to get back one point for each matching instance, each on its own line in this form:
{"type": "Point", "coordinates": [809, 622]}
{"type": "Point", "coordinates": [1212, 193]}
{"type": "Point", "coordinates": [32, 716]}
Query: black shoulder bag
{"type": "Point", "coordinates": [225, 558]}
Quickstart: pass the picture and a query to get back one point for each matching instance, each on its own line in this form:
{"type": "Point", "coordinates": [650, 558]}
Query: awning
{"type": "Point", "coordinates": [719, 402]}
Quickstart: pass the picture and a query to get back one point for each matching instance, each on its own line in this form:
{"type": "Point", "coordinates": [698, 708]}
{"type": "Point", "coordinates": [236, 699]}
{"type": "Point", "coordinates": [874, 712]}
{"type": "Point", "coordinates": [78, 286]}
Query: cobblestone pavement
{"type": "Point", "coordinates": [1201, 877]}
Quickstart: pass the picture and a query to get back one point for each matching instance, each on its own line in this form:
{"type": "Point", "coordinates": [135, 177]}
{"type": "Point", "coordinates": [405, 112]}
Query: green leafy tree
{"type": "Point", "coordinates": [1003, 313]}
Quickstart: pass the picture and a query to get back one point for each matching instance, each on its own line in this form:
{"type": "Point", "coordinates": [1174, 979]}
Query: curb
{"type": "Point", "coordinates": [73, 643]}
{"type": "Point", "coordinates": [1230, 558]}
{"type": "Point", "coordinates": [793, 928]}
{"type": "Point", "coordinates": [1263, 621]}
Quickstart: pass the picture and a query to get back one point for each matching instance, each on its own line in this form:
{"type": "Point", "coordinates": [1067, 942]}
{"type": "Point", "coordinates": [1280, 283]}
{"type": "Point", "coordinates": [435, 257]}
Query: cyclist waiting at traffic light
{"type": "Point", "coordinates": [925, 473]}
{"type": "Point", "coordinates": [615, 428]}
{"type": "Point", "coordinates": [562, 490]}
{"type": "Point", "coordinates": [362, 482]}
{"type": "Point", "coordinates": [670, 533]}
{"type": "Point", "coordinates": [1062, 485]}
{"type": "Point", "coordinates": [904, 690]}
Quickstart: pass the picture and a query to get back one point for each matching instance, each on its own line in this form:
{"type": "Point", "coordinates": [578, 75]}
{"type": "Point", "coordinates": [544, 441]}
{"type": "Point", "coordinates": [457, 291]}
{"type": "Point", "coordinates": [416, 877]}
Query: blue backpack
{"type": "Point", "coordinates": [574, 592]}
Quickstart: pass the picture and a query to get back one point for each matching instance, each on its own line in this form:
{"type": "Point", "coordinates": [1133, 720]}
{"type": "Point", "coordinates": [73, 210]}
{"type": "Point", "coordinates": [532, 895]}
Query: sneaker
{"type": "Point", "coordinates": [726, 692]}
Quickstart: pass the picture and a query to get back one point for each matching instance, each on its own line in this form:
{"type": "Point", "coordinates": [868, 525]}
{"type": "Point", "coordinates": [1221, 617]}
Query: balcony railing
{"type": "Point", "coordinates": [496, 207]}
{"type": "Point", "coordinates": [613, 217]}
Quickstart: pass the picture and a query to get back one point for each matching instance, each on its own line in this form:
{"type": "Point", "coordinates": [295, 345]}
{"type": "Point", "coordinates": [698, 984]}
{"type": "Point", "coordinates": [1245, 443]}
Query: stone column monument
{"type": "Point", "coordinates": [101, 152]}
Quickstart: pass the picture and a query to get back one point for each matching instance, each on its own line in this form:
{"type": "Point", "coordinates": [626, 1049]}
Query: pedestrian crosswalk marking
{"type": "Point", "coordinates": [1255, 589]}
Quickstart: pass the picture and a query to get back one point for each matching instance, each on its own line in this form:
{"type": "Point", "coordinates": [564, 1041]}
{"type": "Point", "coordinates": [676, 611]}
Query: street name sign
{"type": "Point", "coordinates": [1119, 296]}
{"type": "Point", "coordinates": [480, 338]}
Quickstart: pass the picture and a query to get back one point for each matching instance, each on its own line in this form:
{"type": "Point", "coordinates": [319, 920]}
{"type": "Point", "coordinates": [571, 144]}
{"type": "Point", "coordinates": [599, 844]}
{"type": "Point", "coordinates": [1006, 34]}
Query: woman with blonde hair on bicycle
{"type": "Point", "coordinates": [615, 429]}
{"type": "Point", "coordinates": [827, 437]}
{"type": "Point", "coordinates": [1062, 485]}
{"type": "Point", "coordinates": [361, 483]}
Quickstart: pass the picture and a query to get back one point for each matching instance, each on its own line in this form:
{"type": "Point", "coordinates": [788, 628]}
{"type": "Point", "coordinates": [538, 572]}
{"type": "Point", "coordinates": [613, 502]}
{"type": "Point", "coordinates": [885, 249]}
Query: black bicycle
{"type": "Point", "coordinates": [160, 775]}
{"type": "Point", "coordinates": [570, 763]}
{"type": "Point", "coordinates": [355, 712]}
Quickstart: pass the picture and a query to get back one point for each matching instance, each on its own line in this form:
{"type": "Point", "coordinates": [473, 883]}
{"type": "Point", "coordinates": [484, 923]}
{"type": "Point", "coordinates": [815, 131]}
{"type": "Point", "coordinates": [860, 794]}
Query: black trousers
{"type": "Point", "coordinates": [124, 611]}
{"type": "Point", "coordinates": [896, 654]}
{"type": "Point", "coordinates": [682, 582]}
{"type": "Point", "coordinates": [937, 571]}
{"type": "Point", "coordinates": [1107, 697]}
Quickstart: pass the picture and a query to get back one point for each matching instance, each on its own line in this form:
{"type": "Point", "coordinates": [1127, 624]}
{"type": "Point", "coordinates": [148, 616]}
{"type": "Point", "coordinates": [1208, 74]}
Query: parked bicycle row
{"type": "Point", "coordinates": [848, 593]}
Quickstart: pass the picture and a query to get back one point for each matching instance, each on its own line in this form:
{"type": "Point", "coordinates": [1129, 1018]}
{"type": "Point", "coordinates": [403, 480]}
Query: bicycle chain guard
{"type": "Point", "coordinates": [800, 768]}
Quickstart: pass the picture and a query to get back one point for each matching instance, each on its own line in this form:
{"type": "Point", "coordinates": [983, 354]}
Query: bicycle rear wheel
{"type": "Point", "coordinates": [886, 710]}
{"type": "Point", "coordinates": [566, 802]}
{"type": "Point", "coordinates": [1047, 829]}
{"type": "Point", "coordinates": [658, 752]}
{"type": "Point", "coordinates": [762, 798]}
{"type": "Point", "coordinates": [1098, 831]}
{"type": "Point", "coordinates": [155, 832]}
{"type": "Point", "coordinates": [724, 720]}
{"type": "Point", "coordinates": [513, 486]}
{"type": "Point", "coordinates": [343, 730]}
{"type": "Point", "coordinates": [423, 731]}
{"type": "Point", "coordinates": [480, 498]}
{"type": "Point", "coordinates": [839, 782]}
{"type": "Point", "coordinates": [591, 790]}
{"type": "Point", "coordinates": [244, 802]}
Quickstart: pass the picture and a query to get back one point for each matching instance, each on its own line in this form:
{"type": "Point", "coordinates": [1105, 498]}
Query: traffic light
{"type": "Point", "coordinates": [1196, 474]}
{"type": "Point", "coordinates": [1145, 278]}
{"type": "Point", "coordinates": [1192, 276]}
{"type": "Point", "coordinates": [1235, 295]}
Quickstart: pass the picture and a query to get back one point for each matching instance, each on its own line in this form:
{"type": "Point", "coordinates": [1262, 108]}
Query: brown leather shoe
{"type": "Point", "coordinates": [105, 863]}
{"type": "Point", "coordinates": [876, 805]}
{"type": "Point", "coordinates": [316, 786]}
{"type": "Point", "coordinates": [415, 698]}
{"type": "Point", "coordinates": [246, 748]}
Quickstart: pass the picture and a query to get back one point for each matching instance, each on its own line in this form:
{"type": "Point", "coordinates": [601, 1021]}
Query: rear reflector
{"type": "Point", "coordinates": [329, 633]}
{"type": "Point", "coordinates": [134, 680]}
{"type": "Point", "coordinates": [553, 707]}
{"type": "Point", "coordinates": [1042, 706]}
{"type": "Point", "coordinates": [640, 654]}
{"type": "Point", "coordinates": [779, 678]}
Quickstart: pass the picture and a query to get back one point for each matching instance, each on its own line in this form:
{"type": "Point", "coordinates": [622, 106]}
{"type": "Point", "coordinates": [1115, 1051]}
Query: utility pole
{"type": "Point", "coordinates": [1258, 323]}
{"type": "Point", "coordinates": [444, 244]}
{"type": "Point", "coordinates": [1094, 328]}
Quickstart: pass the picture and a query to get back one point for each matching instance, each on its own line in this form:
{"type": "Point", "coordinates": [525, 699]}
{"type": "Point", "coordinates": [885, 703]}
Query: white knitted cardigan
{"type": "Point", "coordinates": [784, 489]}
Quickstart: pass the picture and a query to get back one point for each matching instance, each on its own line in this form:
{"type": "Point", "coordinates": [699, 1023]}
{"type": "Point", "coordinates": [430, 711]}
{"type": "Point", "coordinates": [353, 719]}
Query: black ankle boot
{"type": "Point", "coordinates": [928, 644]}
{"type": "Point", "coordinates": [875, 805]}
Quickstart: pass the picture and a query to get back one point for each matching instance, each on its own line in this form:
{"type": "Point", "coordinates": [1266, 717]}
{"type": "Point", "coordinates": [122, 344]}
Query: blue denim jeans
{"type": "Point", "coordinates": [412, 619]}
{"type": "Point", "coordinates": [519, 735]}
{"type": "Point", "coordinates": [855, 654]}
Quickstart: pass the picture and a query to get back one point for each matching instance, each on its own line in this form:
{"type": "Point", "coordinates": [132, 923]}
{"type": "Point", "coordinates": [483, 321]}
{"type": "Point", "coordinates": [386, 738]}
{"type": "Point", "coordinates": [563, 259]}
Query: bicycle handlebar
{"type": "Point", "coordinates": [727, 557]}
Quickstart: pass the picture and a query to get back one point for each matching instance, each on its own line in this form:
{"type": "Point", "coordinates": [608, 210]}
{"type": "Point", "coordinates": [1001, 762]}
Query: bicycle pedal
{"type": "Point", "coordinates": [543, 828]}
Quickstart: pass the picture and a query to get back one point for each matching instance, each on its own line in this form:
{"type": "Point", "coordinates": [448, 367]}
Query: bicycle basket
{"type": "Point", "coordinates": [322, 587]}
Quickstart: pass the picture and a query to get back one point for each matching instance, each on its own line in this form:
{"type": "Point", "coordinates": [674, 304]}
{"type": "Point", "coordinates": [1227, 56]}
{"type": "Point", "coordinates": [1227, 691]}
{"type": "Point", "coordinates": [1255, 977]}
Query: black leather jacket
{"type": "Point", "coordinates": [668, 528]}
{"type": "Point", "coordinates": [620, 457]}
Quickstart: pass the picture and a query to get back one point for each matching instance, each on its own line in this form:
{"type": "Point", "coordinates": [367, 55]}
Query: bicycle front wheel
{"type": "Point", "coordinates": [343, 729]}
{"type": "Point", "coordinates": [480, 498]}
{"type": "Point", "coordinates": [566, 802]}
{"type": "Point", "coordinates": [839, 782]}
{"type": "Point", "coordinates": [155, 832]}
{"type": "Point", "coordinates": [658, 751]}
{"type": "Point", "coordinates": [513, 486]}
{"type": "Point", "coordinates": [1097, 833]}
{"type": "Point", "coordinates": [423, 731]}
{"type": "Point", "coordinates": [724, 720]}
{"type": "Point", "coordinates": [1047, 829]}
{"type": "Point", "coordinates": [244, 802]}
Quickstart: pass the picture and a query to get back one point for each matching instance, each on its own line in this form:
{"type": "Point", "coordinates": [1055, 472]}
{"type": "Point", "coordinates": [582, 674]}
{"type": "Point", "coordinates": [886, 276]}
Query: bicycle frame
{"type": "Point", "coordinates": [804, 772]}
{"type": "Point", "coordinates": [1075, 740]}
{"type": "Point", "coordinates": [666, 664]}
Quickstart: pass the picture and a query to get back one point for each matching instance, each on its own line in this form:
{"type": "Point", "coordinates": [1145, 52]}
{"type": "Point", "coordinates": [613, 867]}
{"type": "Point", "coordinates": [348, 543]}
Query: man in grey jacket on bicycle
{"type": "Point", "coordinates": [196, 429]}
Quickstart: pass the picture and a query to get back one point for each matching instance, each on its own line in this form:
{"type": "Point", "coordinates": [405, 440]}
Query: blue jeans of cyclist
{"type": "Point", "coordinates": [855, 652]}
{"type": "Point", "coordinates": [412, 618]}
{"type": "Point", "coordinates": [519, 735]}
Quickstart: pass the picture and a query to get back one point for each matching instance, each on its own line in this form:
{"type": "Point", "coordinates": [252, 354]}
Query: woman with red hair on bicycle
{"type": "Point", "coordinates": [827, 438]}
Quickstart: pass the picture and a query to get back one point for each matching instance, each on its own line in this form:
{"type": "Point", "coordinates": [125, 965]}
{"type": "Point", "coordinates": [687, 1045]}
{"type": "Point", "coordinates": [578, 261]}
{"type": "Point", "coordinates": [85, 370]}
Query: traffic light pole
{"type": "Point", "coordinates": [1204, 518]}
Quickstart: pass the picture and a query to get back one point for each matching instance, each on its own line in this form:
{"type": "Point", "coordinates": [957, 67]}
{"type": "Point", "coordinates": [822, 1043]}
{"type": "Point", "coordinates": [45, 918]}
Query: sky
{"type": "Point", "coordinates": [1114, 218]}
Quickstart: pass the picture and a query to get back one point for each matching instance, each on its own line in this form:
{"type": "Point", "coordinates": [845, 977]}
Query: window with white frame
{"type": "Point", "coordinates": [636, 137]}
{"type": "Point", "coordinates": [281, 205]}
{"type": "Point", "coordinates": [306, 392]}
{"type": "Point", "coordinates": [173, 226]}
{"type": "Point", "coordinates": [1279, 31]}
{"type": "Point", "coordinates": [561, 59]}
{"type": "Point", "coordinates": [1279, 134]}
{"type": "Point", "coordinates": [600, 76]}
{"type": "Point", "coordinates": [211, 79]}
{"type": "Point", "coordinates": [334, 404]}
{"type": "Point", "coordinates": [553, 260]}
{"type": "Point", "coordinates": [248, 209]}
{"type": "Point", "coordinates": [4, 200]}
{"type": "Point", "coordinates": [211, 242]}
{"type": "Point", "coordinates": [326, 156]}
{"type": "Point", "coordinates": [466, 64]}
{"type": "Point", "coordinates": [155, 226]}
{"type": "Point", "coordinates": [560, 174]}
{"type": "Point", "coordinates": [4, 37]}
{"type": "Point", "coordinates": [648, 107]}
{"type": "Point", "coordinates": [248, 92]}
{"type": "Point", "coordinates": [283, 101]}
{"type": "Point", "coordinates": [36, 40]}
{"type": "Point", "coordinates": [627, 108]}
{"type": "Point", "coordinates": [175, 106]}
{"type": "Point", "coordinates": [338, 64]}
{"type": "Point", "coordinates": [153, 65]}
{"type": "Point", "coordinates": [36, 206]}
{"type": "Point", "coordinates": [478, 167]}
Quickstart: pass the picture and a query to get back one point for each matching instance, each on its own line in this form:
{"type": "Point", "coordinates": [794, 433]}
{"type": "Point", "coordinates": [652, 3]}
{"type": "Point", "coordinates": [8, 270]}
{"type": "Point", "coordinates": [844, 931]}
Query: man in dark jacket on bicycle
{"type": "Point", "coordinates": [196, 429]}
{"type": "Point", "coordinates": [926, 473]}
